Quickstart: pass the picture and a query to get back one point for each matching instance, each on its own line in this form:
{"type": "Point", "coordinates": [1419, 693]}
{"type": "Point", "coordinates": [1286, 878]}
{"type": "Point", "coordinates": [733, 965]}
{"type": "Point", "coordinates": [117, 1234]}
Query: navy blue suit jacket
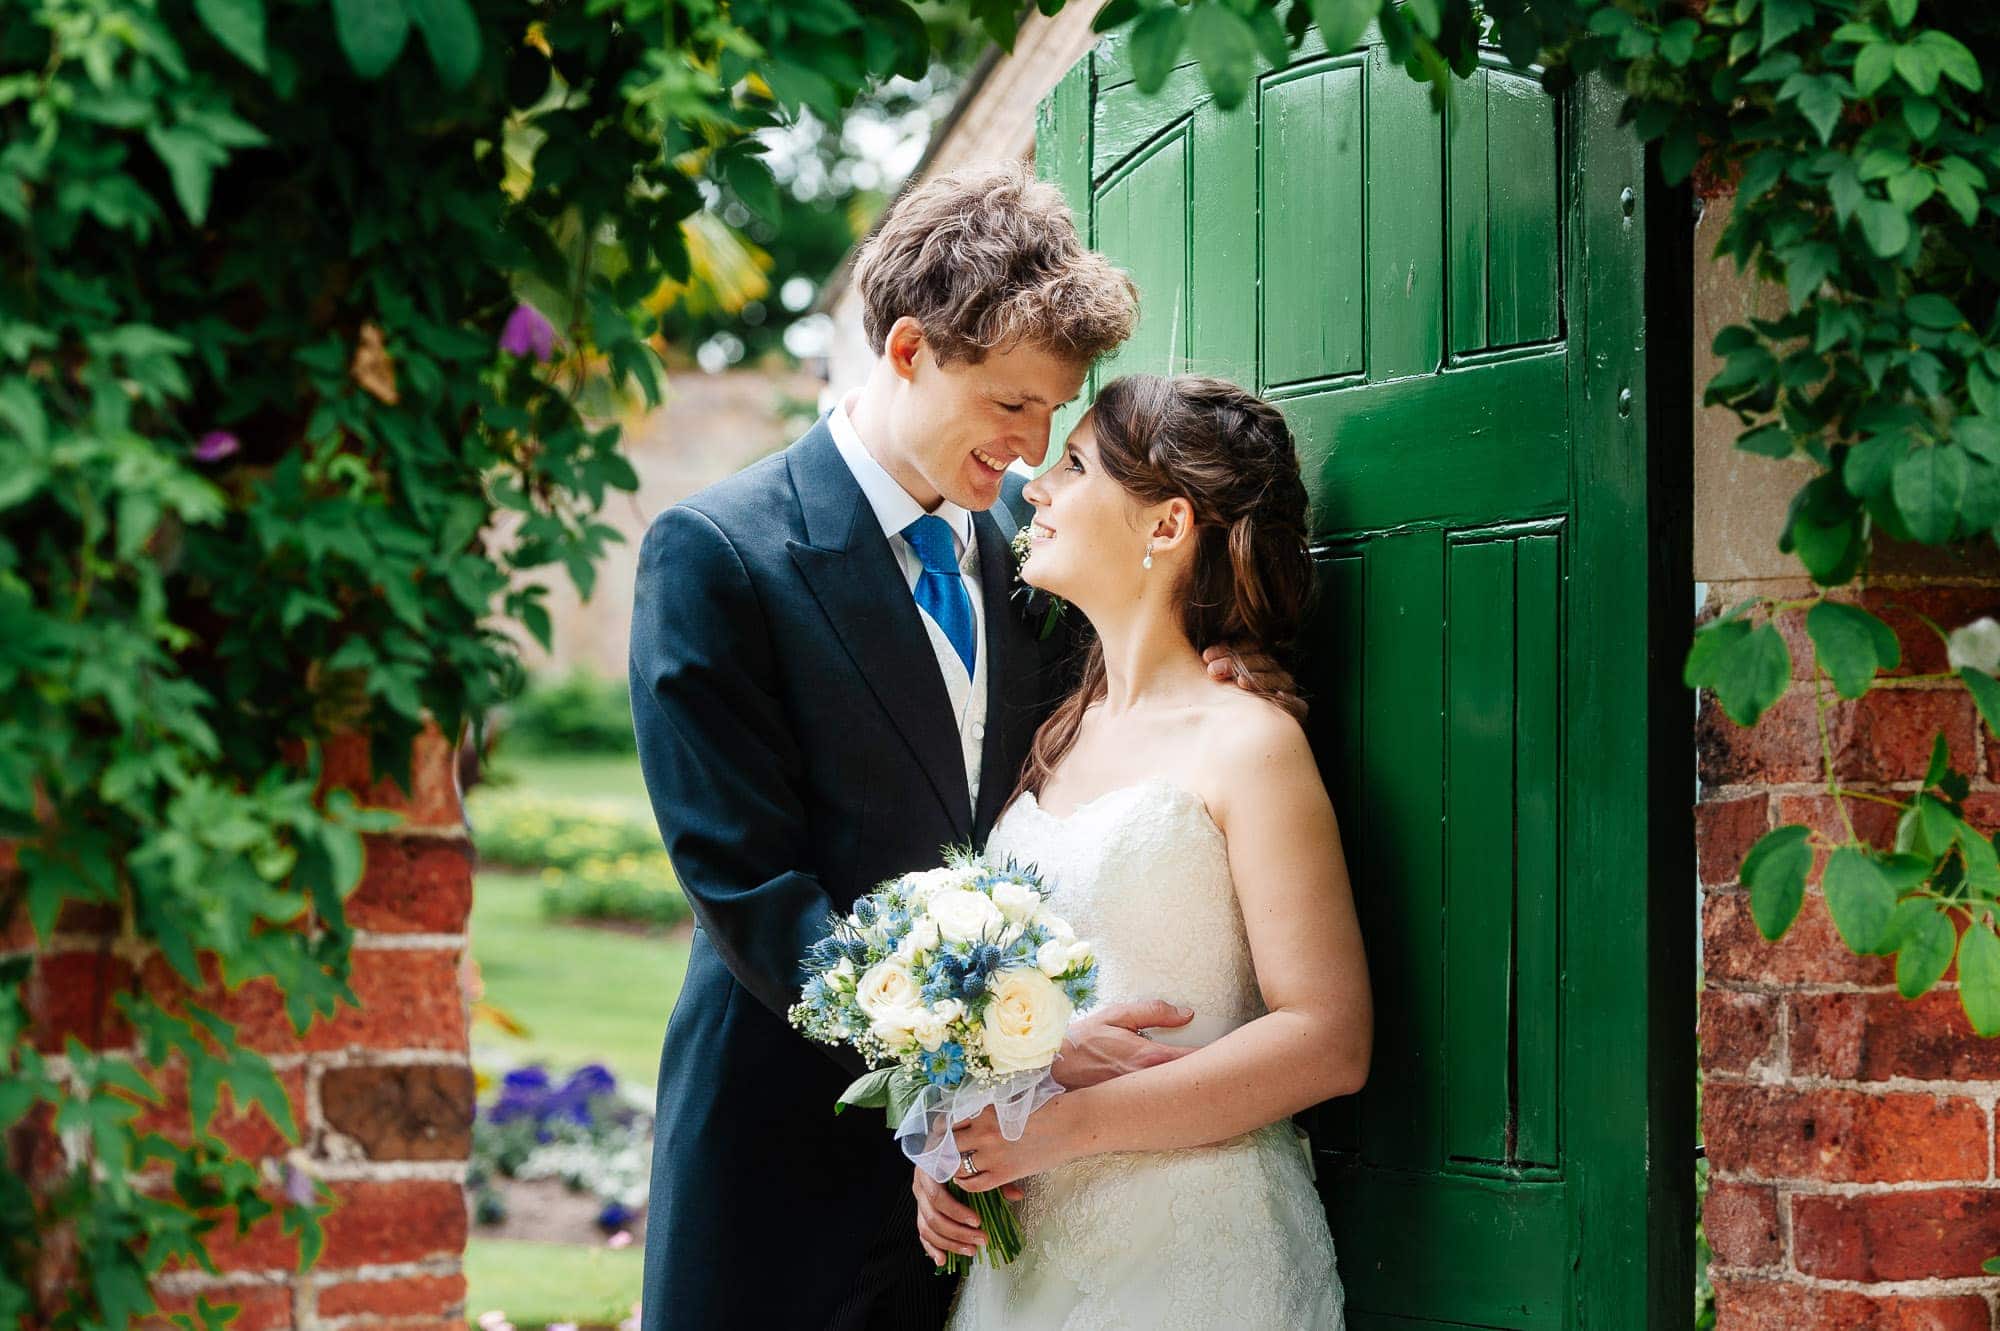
{"type": "Point", "coordinates": [798, 747]}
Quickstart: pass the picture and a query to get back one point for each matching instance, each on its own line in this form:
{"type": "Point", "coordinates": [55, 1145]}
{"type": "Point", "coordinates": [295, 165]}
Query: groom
{"type": "Point", "coordinates": [830, 682]}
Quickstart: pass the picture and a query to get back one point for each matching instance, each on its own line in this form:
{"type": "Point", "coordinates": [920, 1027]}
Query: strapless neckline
{"type": "Point", "coordinates": [1031, 801]}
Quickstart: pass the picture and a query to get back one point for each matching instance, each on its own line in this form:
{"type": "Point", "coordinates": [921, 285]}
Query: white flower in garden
{"type": "Point", "coordinates": [1017, 901]}
{"type": "Point", "coordinates": [1025, 1021]}
{"type": "Point", "coordinates": [888, 988]}
{"type": "Point", "coordinates": [964, 916]}
{"type": "Point", "coordinates": [1976, 644]}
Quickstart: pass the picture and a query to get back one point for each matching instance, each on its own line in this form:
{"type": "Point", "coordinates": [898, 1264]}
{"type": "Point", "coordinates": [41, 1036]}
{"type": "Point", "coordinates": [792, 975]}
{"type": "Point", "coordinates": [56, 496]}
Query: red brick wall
{"type": "Point", "coordinates": [1851, 1134]}
{"type": "Point", "coordinates": [382, 1093]}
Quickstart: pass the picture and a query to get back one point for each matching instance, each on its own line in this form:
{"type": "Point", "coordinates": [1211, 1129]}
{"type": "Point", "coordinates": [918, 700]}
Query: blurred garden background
{"type": "Point", "coordinates": [579, 932]}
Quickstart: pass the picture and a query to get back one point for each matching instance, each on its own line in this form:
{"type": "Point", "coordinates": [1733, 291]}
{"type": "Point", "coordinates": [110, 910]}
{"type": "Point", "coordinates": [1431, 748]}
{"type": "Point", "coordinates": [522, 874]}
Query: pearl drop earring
{"type": "Point", "coordinates": [1147, 562]}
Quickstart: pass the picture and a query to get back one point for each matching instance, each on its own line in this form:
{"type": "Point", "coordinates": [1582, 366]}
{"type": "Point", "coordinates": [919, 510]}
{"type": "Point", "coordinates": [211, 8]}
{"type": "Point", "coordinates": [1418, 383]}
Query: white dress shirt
{"type": "Point", "coordinates": [895, 510]}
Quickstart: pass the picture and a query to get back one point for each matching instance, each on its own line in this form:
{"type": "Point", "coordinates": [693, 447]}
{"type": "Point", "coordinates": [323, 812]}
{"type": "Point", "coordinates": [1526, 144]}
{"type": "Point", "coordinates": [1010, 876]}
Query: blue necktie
{"type": "Point", "coordinates": [940, 590]}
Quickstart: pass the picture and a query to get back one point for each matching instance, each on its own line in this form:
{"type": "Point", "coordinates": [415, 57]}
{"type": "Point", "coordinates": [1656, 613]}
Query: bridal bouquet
{"type": "Point", "coordinates": [956, 984]}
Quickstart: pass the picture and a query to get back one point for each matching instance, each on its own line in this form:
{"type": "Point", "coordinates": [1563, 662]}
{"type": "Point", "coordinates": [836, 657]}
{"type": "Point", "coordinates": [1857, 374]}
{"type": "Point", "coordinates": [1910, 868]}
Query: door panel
{"type": "Point", "coordinates": [1395, 278]}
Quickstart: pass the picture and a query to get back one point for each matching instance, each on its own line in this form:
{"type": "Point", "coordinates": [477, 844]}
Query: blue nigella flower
{"type": "Point", "coordinates": [945, 1066]}
{"type": "Point", "coordinates": [1082, 990]}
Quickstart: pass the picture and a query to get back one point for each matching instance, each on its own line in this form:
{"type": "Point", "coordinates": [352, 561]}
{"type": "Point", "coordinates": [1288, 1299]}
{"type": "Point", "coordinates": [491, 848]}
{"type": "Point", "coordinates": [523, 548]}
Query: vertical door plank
{"type": "Point", "coordinates": [1465, 178]}
{"type": "Point", "coordinates": [1141, 221]}
{"type": "Point", "coordinates": [1538, 811]}
{"type": "Point", "coordinates": [1479, 823]}
{"type": "Point", "coordinates": [1403, 661]}
{"type": "Point", "coordinates": [1311, 186]}
{"type": "Point", "coordinates": [1522, 283]}
{"type": "Point", "coordinates": [1405, 224]}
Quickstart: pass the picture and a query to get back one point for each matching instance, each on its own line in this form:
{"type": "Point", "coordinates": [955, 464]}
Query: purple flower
{"type": "Point", "coordinates": [216, 445]}
{"type": "Point", "coordinates": [528, 333]}
{"type": "Point", "coordinates": [298, 1186]}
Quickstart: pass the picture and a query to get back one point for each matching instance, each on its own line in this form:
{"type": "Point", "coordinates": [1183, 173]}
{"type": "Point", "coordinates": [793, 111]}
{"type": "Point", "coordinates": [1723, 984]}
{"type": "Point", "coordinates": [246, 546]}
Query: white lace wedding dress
{"type": "Point", "coordinates": [1230, 1235]}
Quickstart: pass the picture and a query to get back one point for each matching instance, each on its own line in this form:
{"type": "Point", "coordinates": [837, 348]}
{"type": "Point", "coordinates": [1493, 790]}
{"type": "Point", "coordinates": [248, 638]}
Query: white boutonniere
{"type": "Point", "coordinates": [1032, 597]}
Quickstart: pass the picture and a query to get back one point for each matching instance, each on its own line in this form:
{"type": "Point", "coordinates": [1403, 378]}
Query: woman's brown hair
{"type": "Point", "coordinates": [1230, 454]}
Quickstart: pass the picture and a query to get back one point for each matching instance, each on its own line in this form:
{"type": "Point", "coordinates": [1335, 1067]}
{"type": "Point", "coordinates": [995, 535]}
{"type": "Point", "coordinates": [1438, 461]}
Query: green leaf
{"type": "Point", "coordinates": [1927, 486]}
{"type": "Point", "coordinates": [1227, 49]}
{"type": "Point", "coordinates": [1886, 227]}
{"type": "Point", "coordinates": [1156, 45]}
{"type": "Point", "coordinates": [1782, 18]}
{"type": "Point", "coordinates": [1852, 644]}
{"type": "Point", "coordinates": [1979, 976]}
{"type": "Point", "coordinates": [372, 33]}
{"type": "Point", "coordinates": [1931, 310]}
{"type": "Point", "coordinates": [1923, 953]}
{"type": "Point", "coordinates": [1859, 899]}
{"type": "Point", "coordinates": [190, 159]}
{"type": "Point", "coordinates": [239, 26]}
{"type": "Point", "coordinates": [1986, 694]}
{"type": "Point", "coordinates": [1873, 67]}
{"type": "Point", "coordinates": [1775, 872]}
{"type": "Point", "coordinates": [870, 1092]}
{"type": "Point", "coordinates": [1940, 761]}
{"type": "Point", "coordinates": [1918, 67]}
{"type": "Point", "coordinates": [1753, 674]}
{"type": "Point", "coordinates": [1821, 103]}
{"type": "Point", "coordinates": [1991, 1266]}
{"type": "Point", "coordinates": [1341, 22]}
{"type": "Point", "coordinates": [452, 35]}
{"type": "Point", "coordinates": [1922, 116]}
{"type": "Point", "coordinates": [1902, 11]}
{"type": "Point", "coordinates": [1952, 58]}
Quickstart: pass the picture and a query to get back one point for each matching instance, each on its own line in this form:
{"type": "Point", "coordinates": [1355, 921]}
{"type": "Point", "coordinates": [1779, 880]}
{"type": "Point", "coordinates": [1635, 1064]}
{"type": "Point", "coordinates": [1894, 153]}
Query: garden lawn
{"type": "Point", "coordinates": [585, 995]}
{"type": "Point", "coordinates": [538, 1283]}
{"type": "Point", "coordinates": [611, 780]}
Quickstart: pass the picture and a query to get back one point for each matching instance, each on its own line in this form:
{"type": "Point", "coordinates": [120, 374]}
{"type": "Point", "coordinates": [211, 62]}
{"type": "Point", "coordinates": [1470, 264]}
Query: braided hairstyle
{"type": "Point", "coordinates": [1230, 454]}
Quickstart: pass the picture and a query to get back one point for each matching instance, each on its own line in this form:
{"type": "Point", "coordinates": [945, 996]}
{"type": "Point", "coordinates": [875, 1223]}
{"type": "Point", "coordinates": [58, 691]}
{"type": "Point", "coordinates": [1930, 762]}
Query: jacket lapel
{"type": "Point", "coordinates": [847, 561]}
{"type": "Point", "coordinates": [1011, 671]}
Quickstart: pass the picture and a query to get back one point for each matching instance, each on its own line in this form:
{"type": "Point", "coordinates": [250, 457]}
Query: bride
{"type": "Point", "coordinates": [1184, 826]}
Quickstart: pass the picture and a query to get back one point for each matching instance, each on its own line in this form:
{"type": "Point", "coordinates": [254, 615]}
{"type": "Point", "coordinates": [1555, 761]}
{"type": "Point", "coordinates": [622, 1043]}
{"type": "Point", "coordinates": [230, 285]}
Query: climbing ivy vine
{"type": "Point", "coordinates": [265, 378]}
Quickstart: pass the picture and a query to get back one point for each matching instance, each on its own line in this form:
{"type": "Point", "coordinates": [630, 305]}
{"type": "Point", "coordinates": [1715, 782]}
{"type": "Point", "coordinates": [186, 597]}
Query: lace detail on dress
{"type": "Point", "coordinates": [1222, 1236]}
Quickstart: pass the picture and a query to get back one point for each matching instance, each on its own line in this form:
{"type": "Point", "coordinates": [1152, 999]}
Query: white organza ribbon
{"type": "Point", "coordinates": [925, 1134]}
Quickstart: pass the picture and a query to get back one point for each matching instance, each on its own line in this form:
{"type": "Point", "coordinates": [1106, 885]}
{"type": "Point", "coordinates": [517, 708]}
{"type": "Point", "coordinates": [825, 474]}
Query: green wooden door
{"type": "Point", "coordinates": [1449, 309]}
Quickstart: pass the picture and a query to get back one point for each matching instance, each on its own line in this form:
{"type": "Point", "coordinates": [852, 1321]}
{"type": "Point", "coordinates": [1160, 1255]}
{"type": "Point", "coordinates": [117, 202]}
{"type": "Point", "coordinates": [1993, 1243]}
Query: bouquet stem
{"type": "Point", "coordinates": [1002, 1226]}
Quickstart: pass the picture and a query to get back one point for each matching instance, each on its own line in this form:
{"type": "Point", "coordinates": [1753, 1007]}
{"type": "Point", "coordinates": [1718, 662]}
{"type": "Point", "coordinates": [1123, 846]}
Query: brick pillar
{"type": "Point", "coordinates": [1851, 1134]}
{"type": "Point", "coordinates": [382, 1093]}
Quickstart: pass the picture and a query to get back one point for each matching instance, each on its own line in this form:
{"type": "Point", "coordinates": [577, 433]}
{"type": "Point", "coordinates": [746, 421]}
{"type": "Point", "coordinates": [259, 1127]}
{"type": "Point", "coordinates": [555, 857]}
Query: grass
{"type": "Point", "coordinates": [583, 994]}
{"type": "Point", "coordinates": [538, 1283]}
{"type": "Point", "coordinates": [609, 779]}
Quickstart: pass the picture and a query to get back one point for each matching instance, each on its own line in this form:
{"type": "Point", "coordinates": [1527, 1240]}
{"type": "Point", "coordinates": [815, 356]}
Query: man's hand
{"type": "Point", "coordinates": [1107, 1043]}
{"type": "Point", "coordinates": [1246, 664]}
{"type": "Point", "coordinates": [946, 1224]}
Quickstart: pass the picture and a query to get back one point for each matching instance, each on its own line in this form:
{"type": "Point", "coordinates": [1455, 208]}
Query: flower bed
{"type": "Point", "coordinates": [583, 1131]}
{"type": "Point", "coordinates": [596, 865]}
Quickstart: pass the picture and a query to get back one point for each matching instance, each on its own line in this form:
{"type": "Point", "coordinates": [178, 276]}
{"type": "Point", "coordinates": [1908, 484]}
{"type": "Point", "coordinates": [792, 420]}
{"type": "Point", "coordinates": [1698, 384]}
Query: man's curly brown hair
{"type": "Point", "coordinates": [986, 258]}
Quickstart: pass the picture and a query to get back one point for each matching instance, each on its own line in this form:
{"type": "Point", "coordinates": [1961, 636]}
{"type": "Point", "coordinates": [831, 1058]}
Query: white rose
{"type": "Point", "coordinates": [1017, 901]}
{"type": "Point", "coordinates": [886, 990]}
{"type": "Point", "coordinates": [1053, 957]}
{"type": "Point", "coordinates": [921, 887]}
{"type": "Point", "coordinates": [1025, 1021]}
{"type": "Point", "coordinates": [964, 916]}
{"type": "Point", "coordinates": [894, 1027]}
{"type": "Point", "coordinates": [842, 975]}
{"type": "Point", "coordinates": [929, 1029]}
{"type": "Point", "coordinates": [948, 1010]}
{"type": "Point", "coordinates": [920, 937]}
